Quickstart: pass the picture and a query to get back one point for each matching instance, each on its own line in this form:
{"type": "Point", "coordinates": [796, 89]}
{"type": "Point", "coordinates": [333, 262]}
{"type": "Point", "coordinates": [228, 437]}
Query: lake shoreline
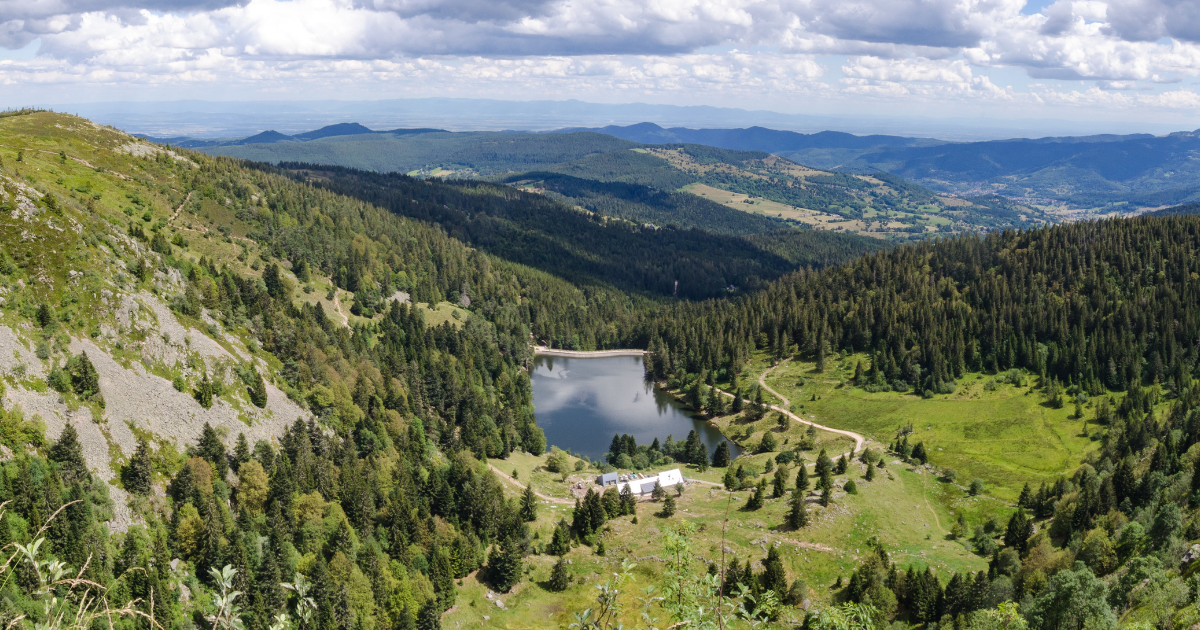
{"type": "Point", "coordinates": [585, 354]}
{"type": "Point", "coordinates": [582, 400]}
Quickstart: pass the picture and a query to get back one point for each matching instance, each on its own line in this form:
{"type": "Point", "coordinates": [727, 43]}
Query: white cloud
{"type": "Point", "coordinates": [930, 49]}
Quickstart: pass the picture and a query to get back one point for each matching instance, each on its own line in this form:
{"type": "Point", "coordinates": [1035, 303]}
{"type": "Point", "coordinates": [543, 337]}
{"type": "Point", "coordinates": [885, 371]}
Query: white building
{"type": "Point", "coordinates": [645, 485]}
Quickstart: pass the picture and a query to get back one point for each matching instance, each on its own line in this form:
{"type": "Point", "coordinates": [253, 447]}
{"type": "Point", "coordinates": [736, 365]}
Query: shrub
{"type": "Point", "coordinates": [851, 487]}
{"type": "Point", "coordinates": [556, 461]}
{"type": "Point", "coordinates": [976, 487]}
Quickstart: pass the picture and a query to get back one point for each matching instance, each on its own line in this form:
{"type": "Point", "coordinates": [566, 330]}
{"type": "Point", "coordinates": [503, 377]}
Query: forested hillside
{"type": "Point", "coordinates": [377, 502]}
{"type": "Point", "coordinates": [466, 154]}
{"type": "Point", "coordinates": [591, 249]}
{"type": "Point", "coordinates": [1100, 305]}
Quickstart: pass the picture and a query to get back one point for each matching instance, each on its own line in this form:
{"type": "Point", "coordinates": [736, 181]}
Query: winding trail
{"type": "Point", "coordinates": [859, 440]}
{"type": "Point", "coordinates": [337, 306]}
{"type": "Point", "coordinates": [537, 494]}
{"type": "Point", "coordinates": [180, 208]}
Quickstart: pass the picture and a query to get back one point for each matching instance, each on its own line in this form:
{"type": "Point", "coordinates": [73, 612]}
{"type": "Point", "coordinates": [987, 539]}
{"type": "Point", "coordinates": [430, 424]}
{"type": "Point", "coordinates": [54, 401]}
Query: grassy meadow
{"type": "Point", "coordinates": [1007, 436]}
{"type": "Point", "coordinates": [908, 509]}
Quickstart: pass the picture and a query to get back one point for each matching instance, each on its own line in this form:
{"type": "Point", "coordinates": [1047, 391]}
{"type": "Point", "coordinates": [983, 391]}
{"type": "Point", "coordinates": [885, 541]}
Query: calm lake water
{"type": "Point", "coordinates": [582, 403]}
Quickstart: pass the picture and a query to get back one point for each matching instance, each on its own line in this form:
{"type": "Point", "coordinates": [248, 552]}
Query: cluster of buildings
{"type": "Point", "coordinates": [640, 484]}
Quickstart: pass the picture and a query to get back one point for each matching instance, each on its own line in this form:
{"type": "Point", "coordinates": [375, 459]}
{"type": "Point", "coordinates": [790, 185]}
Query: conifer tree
{"type": "Point", "coordinates": [824, 464]}
{"type": "Point", "coordinates": [559, 579]}
{"type": "Point", "coordinates": [802, 477]}
{"type": "Point", "coordinates": [842, 465]}
{"type": "Point", "coordinates": [798, 512]}
{"type": "Point", "coordinates": [628, 503]}
{"type": "Point", "coordinates": [258, 391]}
{"type": "Point", "coordinates": [84, 377]}
{"type": "Point", "coordinates": [738, 403]}
{"type": "Point", "coordinates": [1026, 498]}
{"type": "Point", "coordinates": [779, 485]}
{"type": "Point", "coordinates": [505, 564]}
{"type": "Point", "coordinates": [441, 573]}
{"type": "Point", "coordinates": [730, 480]}
{"type": "Point", "coordinates": [241, 453]}
{"type": "Point", "coordinates": [870, 474]}
{"type": "Point", "coordinates": [1016, 535]}
{"type": "Point", "coordinates": [668, 509]}
{"type": "Point", "coordinates": [756, 500]}
{"type": "Point", "coordinates": [204, 392]}
{"type": "Point", "coordinates": [774, 576]}
{"type": "Point", "coordinates": [211, 449]}
{"type": "Point", "coordinates": [139, 470]}
{"type": "Point", "coordinates": [430, 617]}
{"type": "Point", "coordinates": [68, 453]}
{"type": "Point", "coordinates": [826, 494]}
{"type": "Point", "coordinates": [560, 542]}
{"type": "Point", "coordinates": [720, 458]}
{"type": "Point", "coordinates": [528, 505]}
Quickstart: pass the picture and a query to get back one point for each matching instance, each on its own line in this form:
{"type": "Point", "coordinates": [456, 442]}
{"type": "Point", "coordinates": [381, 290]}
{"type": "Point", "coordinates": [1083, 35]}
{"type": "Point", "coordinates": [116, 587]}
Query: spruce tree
{"type": "Point", "coordinates": [528, 505]}
{"type": "Point", "coordinates": [756, 500]}
{"type": "Point", "coordinates": [826, 494]}
{"type": "Point", "coordinates": [824, 464]}
{"type": "Point", "coordinates": [870, 474]}
{"type": "Point", "coordinates": [779, 485]}
{"type": "Point", "coordinates": [774, 576]}
{"type": "Point", "coordinates": [211, 449]}
{"type": "Point", "coordinates": [802, 477]}
{"type": "Point", "coordinates": [258, 391]}
{"type": "Point", "coordinates": [430, 617]}
{"type": "Point", "coordinates": [441, 573]}
{"type": "Point", "coordinates": [139, 470]}
{"type": "Point", "coordinates": [628, 503]}
{"type": "Point", "coordinates": [560, 542]}
{"type": "Point", "coordinates": [241, 453]}
{"type": "Point", "coordinates": [68, 453]}
{"type": "Point", "coordinates": [720, 458]}
{"type": "Point", "coordinates": [204, 392]}
{"type": "Point", "coordinates": [559, 579]}
{"type": "Point", "coordinates": [84, 377]}
{"type": "Point", "coordinates": [505, 564]}
{"type": "Point", "coordinates": [668, 509]}
{"type": "Point", "coordinates": [798, 512]}
{"type": "Point", "coordinates": [1026, 498]}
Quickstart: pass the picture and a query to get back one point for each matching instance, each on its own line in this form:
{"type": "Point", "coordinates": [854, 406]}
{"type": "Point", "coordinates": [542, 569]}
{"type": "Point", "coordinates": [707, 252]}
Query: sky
{"type": "Point", "coordinates": [1082, 60]}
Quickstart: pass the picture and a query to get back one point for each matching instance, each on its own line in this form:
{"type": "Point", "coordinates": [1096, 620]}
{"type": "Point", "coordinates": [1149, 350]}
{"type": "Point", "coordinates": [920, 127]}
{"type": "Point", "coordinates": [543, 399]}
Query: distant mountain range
{"type": "Point", "coordinates": [756, 138]}
{"type": "Point", "coordinates": [272, 136]}
{"type": "Point", "coordinates": [1134, 171]}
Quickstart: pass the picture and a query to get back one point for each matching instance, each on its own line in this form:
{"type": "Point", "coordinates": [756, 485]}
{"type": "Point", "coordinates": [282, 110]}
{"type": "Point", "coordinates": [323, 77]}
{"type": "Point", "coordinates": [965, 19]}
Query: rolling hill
{"type": "Point", "coordinates": [755, 182]}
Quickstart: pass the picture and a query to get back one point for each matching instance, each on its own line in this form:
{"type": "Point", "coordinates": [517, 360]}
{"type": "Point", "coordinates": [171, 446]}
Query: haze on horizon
{"type": "Point", "coordinates": [1117, 63]}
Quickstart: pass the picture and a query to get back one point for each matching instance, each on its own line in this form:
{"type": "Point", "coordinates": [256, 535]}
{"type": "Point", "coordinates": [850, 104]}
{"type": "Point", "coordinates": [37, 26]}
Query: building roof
{"type": "Point", "coordinates": [607, 478]}
{"type": "Point", "coordinates": [667, 478]}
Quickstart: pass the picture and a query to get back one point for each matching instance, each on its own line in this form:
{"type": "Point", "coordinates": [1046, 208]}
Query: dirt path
{"type": "Point", "coordinates": [337, 305]}
{"type": "Point", "coordinates": [924, 495]}
{"type": "Point", "coordinates": [180, 208]}
{"type": "Point", "coordinates": [762, 380]}
{"type": "Point", "coordinates": [535, 492]}
{"type": "Point", "coordinates": [859, 440]}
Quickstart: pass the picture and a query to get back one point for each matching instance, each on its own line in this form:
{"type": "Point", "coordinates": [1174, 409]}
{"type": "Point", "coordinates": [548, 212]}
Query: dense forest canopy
{"type": "Point", "coordinates": [1103, 305]}
{"type": "Point", "coordinates": [588, 249]}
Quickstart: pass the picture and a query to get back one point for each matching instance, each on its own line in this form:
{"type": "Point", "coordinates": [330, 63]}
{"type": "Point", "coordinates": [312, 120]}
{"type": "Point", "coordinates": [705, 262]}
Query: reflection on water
{"type": "Point", "coordinates": [582, 403]}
